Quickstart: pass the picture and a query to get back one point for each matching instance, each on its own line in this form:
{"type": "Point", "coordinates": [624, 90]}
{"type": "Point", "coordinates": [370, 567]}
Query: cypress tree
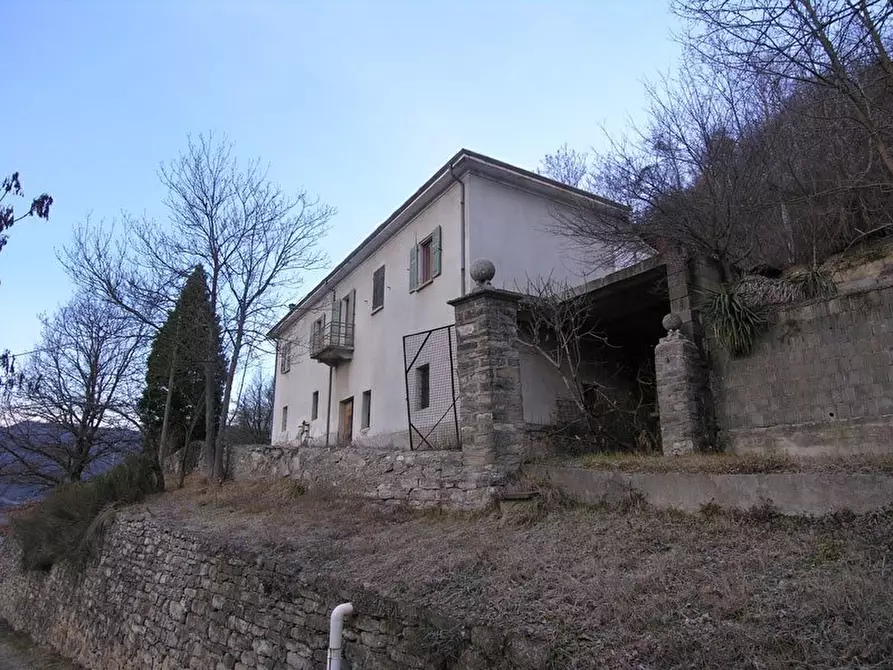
{"type": "Point", "coordinates": [173, 404]}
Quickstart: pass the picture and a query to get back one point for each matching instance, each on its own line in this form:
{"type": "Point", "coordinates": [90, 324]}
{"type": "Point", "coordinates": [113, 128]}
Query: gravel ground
{"type": "Point", "coordinates": [17, 652]}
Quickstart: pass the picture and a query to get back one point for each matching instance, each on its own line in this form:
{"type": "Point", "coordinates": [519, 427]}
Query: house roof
{"type": "Point", "coordinates": [462, 162]}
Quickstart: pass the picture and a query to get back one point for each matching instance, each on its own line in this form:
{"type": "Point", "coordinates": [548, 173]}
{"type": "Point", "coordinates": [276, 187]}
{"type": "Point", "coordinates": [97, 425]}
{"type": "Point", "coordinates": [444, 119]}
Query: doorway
{"type": "Point", "coordinates": [345, 421]}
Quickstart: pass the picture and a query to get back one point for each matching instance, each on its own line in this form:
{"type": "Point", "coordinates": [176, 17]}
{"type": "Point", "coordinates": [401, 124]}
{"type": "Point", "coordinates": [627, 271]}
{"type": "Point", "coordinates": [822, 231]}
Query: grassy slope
{"type": "Point", "coordinates": [600, 588]}
{"type": "Point", "coordinates": [732, 464]}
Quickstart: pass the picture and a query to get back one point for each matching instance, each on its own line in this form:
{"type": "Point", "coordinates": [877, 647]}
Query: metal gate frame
{"type": "Point", "coordinates": [408, 366]}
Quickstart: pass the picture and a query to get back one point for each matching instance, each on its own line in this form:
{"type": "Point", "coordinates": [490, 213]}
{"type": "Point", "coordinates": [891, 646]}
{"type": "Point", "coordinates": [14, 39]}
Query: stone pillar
{"type": "Point", "coordinates": [688, 280]}
{"type": "Point", "coordinates": [681, 391]}
{"type": "Point", "coordinates": [489, 371]}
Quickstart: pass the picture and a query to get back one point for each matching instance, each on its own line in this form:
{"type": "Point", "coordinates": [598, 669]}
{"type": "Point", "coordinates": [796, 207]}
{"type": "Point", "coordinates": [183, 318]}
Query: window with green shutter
{"type": "Point", "coordinates": [425, 260]}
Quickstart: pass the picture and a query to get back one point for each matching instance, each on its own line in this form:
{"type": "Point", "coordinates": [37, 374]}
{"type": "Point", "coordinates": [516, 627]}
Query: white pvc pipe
{"type": "Point", "coordinates": [336, 624]}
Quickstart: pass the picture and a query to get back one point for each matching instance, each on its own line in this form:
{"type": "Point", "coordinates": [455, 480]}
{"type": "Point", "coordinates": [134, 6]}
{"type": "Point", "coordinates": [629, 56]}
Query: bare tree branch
{"type": "Point", "coordinates": [80, 386]}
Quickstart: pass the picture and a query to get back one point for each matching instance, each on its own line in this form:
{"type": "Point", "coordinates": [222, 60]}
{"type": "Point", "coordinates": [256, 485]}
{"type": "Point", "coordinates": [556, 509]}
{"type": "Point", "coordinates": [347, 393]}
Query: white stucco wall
{"type": "Point", "coordinates": [541, 386]}
{"type": "Point", "coordinates": [505, 224]}
{"type": "Point", "coordinates": [377, 362]}
{"type": "Point", "coordinates": [510, 227]}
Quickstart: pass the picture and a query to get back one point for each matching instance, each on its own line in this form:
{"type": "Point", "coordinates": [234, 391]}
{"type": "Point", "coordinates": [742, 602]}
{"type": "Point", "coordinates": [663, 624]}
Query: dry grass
{"type": "Point", "coordinates": [734, 464]}
{"type": "Point", "coordinates": [599, 588]}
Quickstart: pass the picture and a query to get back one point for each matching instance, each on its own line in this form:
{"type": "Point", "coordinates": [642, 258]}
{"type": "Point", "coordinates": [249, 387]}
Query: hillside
{"type": "Point", "coordinates": [13, 491]}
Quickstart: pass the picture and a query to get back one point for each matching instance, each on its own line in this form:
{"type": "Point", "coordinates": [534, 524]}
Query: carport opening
{"type": "Point", "coordinates": [616, 409]}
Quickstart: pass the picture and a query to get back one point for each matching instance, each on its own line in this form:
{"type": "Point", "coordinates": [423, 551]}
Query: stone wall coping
{"type": "Point", "coordinates": [488, 292]}
{"type": "Point", "coordinates": [789, 493]}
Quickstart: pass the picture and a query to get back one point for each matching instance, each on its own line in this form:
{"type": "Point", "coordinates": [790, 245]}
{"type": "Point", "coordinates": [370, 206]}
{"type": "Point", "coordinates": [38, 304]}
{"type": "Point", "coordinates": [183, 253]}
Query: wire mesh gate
{"type": "Point", "coordinates": [429, 364]}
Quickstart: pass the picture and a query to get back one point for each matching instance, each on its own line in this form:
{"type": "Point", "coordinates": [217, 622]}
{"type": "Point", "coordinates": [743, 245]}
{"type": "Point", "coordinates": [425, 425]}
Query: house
{"type": "Point", "coordinates": [369, 355]}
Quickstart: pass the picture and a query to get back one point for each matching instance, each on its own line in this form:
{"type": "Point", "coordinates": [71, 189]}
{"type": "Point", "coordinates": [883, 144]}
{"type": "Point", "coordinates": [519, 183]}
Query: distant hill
{"type": "Point", "coordinates": [44, 434]}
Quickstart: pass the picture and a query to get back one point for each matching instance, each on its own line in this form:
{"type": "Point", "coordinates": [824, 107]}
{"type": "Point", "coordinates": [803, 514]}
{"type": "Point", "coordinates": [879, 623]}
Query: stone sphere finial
{"type": "Point", "coordinates": [671, 322]}
{"type": "Point", "coordinates": [482, 271]}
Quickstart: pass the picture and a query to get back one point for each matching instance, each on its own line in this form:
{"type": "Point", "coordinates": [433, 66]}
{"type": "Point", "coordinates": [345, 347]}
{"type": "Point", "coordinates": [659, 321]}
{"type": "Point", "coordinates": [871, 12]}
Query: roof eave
{"type": "Point", "coordinates": [462, 162]}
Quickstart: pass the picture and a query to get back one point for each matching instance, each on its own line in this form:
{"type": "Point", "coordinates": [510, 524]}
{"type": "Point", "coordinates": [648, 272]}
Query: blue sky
{"type": "Point", "coordinates": [358, 102]}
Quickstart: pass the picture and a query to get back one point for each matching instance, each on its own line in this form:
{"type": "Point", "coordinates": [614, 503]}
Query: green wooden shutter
{"type": "Point", "coordinates": [414, 268]}
{"type": "Point", "coordinates": [435, 252]}
{"type": "Point", "coordinates": [334, 335]}
{"type": "Point", "coordinates": [378, 288]}
{"type": "Point", "coordinates": [336, 312]}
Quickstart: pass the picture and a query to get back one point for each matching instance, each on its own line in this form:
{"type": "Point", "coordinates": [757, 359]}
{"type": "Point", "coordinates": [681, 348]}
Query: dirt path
{"type": "Point", "coordinates": [17, 652]}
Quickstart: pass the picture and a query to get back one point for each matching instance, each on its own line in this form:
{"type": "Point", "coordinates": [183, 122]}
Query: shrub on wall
{"type": "Point", "coordinates": [734, 323]}
{"type": "Point", "coordinates": [814, 282]}
{"type": "Point", "coordinates": [68, 523]}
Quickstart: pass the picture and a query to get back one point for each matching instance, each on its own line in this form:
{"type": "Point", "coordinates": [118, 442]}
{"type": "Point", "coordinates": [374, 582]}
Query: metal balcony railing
{"type": "Point", "coordinates": [334, 336]}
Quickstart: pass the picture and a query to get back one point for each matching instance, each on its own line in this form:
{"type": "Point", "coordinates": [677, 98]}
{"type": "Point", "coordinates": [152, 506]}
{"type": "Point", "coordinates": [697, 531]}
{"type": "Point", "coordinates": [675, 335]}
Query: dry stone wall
{"type": "Point", "coordinates": [157, 597]}
{"type": "Point", "coordinates": [418, 478]}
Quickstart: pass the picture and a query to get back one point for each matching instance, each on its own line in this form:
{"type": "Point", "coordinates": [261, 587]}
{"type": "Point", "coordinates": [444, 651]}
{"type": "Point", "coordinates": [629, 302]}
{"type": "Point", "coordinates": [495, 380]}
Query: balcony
{"type": "Point", "coordinates": [333, 343]}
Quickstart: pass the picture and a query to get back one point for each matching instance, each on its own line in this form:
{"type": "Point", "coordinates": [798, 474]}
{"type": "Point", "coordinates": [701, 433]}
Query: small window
{"type": "Point", "coordinates": [378, 289]}
{"type": "Point", "coordinates": [423, 384]}
{"type": "Point", "coordinates": [365, 418]}
{"type": "Point", "coordinates": [284, 356]}
{"type": "Point", "coordinates": [317, 331]}
{"type": "Point", "coordinates": [314, 406]}
{"type": "Point", "coordinates": [284, 418]}
{"type": "Point", "coordinates": [425, 261]}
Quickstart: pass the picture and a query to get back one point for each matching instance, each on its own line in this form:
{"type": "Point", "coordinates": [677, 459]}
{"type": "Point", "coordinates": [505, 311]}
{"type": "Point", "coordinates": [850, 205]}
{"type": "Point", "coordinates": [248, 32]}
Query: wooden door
{"type": "Point", "coordinates": [345, 426]}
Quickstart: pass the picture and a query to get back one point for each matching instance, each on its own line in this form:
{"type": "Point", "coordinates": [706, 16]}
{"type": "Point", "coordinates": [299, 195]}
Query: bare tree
{"type": "Point", "coordinates": [566, 165]}
{"type": "Point", "coordinates": [839, 45]}
{"type": "Point", "coordinates": [687, 178]}
{"type": "Point", "coordinates": [80, 385]}
{"type": "Point", "coordinates": [253, 239]}
{"type": "Point", "coordinates": [253, 420]}
{"type": "Point", "coordinates": [771, 146]}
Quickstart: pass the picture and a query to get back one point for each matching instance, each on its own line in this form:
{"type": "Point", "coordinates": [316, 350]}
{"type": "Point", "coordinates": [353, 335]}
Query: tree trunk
{"type": "Point", "coordinates": [185, 455]}
{"type": "Point", "coordinates": [210, 384]}
{"type": "Point", "coordinates": [210, 412]}
{"type": "Point", "coordinates": [161, 452]}
{"type": "Point", "coordinates": [219, 472]}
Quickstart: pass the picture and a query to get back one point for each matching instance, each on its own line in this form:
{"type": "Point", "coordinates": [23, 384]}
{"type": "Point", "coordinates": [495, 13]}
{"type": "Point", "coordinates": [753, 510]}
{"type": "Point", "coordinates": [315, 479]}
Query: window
{"type": "Point", "coordinates": [424, 261]}
{"type": "Point", "coordinates": [314, 406]}
{"type": "Point", "coordinates": [344, 335]}
{"type": "Point", "coordinates": [284, 356]}
{"type": "Point", "coordinates": [317, 333]}
{"type": "Point", "coordinates": [423, 384]}
{"type": "Point", "coordinates": [366, 416]}
{"type": "Point", "coordinates": [378, 289]}
{"type": "Point", "coordinates": [343, 317]}
{"type": "Point", "coordinates": [284, 418]}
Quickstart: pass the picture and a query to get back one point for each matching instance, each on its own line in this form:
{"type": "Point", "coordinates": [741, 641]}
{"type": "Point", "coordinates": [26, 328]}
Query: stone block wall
{"type": "Point", "coordinates": [681, 390]}
{"type": "Point", "coordinates": [419, 478]}
{"type": "Point", "coordinates": [820, 380]}
{"type": "Point", "coordinates": [159, 597]}
{"type": "Point", "coordinates": [489, 373]}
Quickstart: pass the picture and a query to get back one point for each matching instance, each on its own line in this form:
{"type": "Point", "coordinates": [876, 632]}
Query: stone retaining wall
{"type": "Point", "coordinates": [819, 380]}
{"type": "Point", "coordinates": [158, 597]}
{"type": "Point", "coordinates": [419, 478]}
